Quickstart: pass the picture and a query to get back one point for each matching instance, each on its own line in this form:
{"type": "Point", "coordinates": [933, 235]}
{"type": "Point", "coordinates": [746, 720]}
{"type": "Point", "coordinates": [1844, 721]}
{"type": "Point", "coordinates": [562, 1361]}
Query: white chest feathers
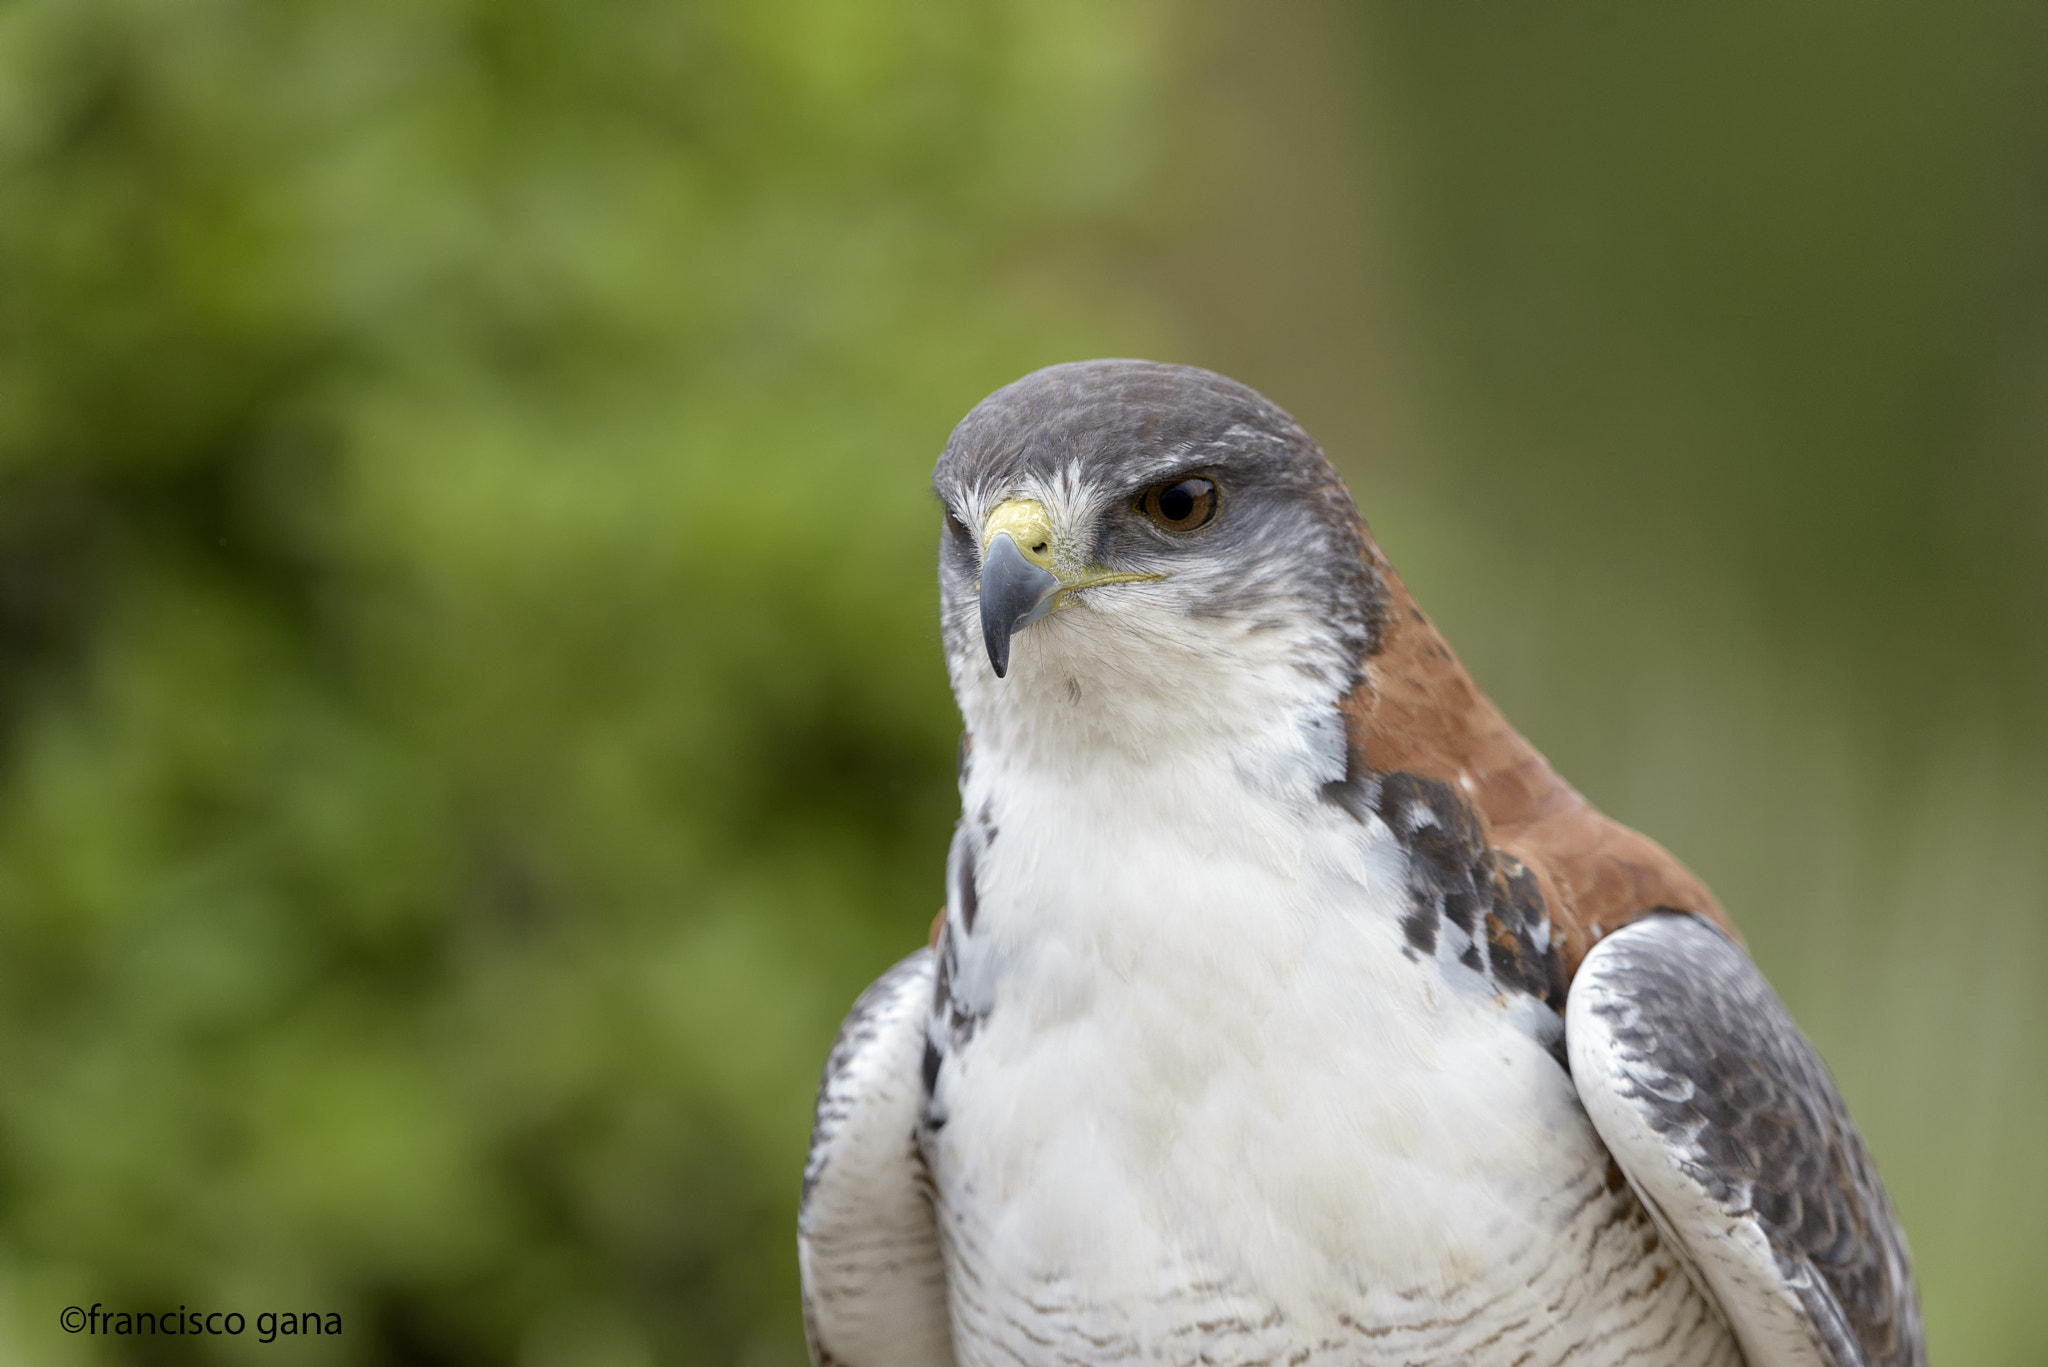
{"type": "Point", "coordinates": [1193, 1101]}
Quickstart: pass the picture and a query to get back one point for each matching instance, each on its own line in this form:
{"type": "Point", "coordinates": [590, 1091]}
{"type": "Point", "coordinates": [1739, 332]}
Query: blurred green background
{"type": "Point", "coordinates": [471, 715]}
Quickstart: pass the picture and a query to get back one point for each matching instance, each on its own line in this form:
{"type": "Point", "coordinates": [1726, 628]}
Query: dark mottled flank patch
{"type": "Point", "coordinates": [951, 1026]}
{"type": "Point", "coordinates": [965, 760]}
{"type": "Point", "coordinates": [960, 1019]}
{"type": "Point", "coordinates": [969, 897]}
{"type": "Point", "coordinates": [971, 838]}
{"type": "Point", "coordinates": [1461, 909]}
{"type": "Point", "coordinates": [942, 982]}
{"type": "Point", "coordinates": [1501, 949]}
{"type": "Point", "coordinates": [1355, 792]}
{"type": "Point", "coordinates": [1719, 1069]}
{"type": "Point", "coordinates": [954, 1022]}
{"type": "Point", "coordinates": [1420, 928]}
{"type": "Point", "coordinates": [1456, 878]}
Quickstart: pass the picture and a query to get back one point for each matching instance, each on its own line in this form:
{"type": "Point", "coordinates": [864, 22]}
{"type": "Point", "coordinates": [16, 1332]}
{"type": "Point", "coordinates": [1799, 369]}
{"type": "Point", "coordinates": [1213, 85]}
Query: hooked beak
{"type": "Point", "coordinates": [1019, 583]}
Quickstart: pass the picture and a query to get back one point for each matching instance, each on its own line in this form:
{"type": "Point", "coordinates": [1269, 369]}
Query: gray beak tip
{"type": "Point", "coordinates": [997, 639]}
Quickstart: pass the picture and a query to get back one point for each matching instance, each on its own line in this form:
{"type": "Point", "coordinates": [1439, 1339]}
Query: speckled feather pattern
{"type": "Point", "coordinates": [1684, 1030]}
{"type": "Point", "coordinates": [873, 1275]}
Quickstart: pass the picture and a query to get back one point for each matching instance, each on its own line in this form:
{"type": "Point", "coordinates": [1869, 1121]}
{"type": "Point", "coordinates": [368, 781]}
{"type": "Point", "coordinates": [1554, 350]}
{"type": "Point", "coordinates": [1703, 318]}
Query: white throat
{"type": "Point", "coordinates": [1115, 686]}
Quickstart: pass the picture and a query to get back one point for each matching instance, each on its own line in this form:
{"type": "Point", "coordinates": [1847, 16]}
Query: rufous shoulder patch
{"type": "Point", "coordinates": [1417, 711]}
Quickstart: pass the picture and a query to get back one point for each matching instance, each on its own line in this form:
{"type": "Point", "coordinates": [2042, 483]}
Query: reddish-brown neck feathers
{"type": "Point", "coordinates": [1418, 711]}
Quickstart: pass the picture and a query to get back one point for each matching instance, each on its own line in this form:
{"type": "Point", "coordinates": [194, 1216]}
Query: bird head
{"type": "Point", "coordinates": [1145, 553]}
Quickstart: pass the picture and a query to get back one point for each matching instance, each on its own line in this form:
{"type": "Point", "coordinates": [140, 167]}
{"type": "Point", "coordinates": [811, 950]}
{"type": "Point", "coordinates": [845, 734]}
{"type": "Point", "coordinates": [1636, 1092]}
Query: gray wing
{"type": "Point", "coordinates": [1730, 1129]}
{"type": "Point", "coordinates": [874, 1282]}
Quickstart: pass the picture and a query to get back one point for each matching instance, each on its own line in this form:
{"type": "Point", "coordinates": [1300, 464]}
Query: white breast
{"type": "Point", "coordinates": [1202, 1107]}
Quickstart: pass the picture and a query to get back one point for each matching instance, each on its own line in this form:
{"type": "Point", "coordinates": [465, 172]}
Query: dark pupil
{"type": "Point", "coordinates": [1178, 503]}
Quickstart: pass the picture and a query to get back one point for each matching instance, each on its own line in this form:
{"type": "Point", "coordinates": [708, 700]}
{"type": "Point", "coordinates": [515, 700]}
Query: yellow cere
{"type": "Point", "coordinates": [1028, 524]}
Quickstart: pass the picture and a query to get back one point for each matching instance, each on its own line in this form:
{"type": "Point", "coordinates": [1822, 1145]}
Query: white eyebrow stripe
{"type": "Point", "coordinates": [1182, 458]}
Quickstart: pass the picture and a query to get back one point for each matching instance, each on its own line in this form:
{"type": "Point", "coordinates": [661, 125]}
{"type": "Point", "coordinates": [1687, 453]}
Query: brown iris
{"type": "Point", "coordinates": [1180, 506]}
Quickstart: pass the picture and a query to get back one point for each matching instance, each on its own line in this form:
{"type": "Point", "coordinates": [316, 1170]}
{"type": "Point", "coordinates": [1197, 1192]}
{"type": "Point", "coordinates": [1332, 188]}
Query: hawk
{"type": "Point", "coordinates": [1286, 1006]}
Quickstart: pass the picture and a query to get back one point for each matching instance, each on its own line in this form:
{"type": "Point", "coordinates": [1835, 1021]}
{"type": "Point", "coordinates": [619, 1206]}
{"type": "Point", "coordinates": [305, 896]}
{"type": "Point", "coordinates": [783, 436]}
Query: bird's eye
{"type": "Point", "coordinates": [1180, 506]}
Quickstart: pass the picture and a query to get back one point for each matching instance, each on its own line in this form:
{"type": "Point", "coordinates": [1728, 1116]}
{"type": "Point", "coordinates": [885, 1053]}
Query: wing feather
{"type": "Point", "coordinates": [1729, 1127]}
{"type": "Point", "coordinates": [874, 1281]}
